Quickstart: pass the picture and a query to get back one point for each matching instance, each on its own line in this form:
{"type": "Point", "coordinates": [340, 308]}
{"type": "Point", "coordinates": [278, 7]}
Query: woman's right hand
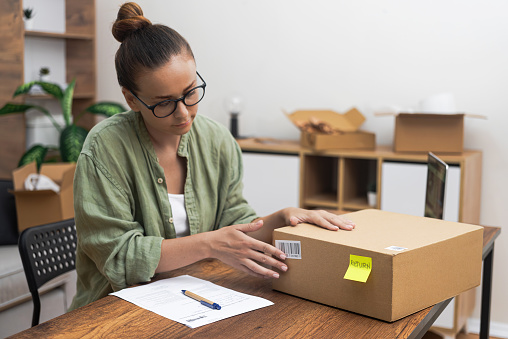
{"type": "Point", "coordinates": [234, 247]}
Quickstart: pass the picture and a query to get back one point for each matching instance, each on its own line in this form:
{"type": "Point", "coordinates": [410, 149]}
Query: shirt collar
{"type": "Point", "coordinates": [147, 142]}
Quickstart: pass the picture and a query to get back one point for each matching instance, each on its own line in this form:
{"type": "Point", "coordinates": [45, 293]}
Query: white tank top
{"type": "Point", "coordinates": [180, 220]}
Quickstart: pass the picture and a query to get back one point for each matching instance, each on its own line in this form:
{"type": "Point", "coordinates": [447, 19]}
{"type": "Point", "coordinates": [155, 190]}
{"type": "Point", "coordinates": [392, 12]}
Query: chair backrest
{"type": "Point", "coordinates": [47, 251]}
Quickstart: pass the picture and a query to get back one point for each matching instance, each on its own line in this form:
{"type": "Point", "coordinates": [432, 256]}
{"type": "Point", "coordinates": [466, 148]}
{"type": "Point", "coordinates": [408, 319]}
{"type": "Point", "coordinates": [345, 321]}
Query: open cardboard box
{"type": "Point", "coordinates": [343, 130]}
{"type": "Point", "coordinates": [428, 132]}
{"type": "Point", "coordinates": [415, 262]}
{"type": "Point", "coordinates": [44, 206]}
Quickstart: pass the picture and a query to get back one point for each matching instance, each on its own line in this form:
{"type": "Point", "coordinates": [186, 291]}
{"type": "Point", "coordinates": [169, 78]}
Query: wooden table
{"type": "Point", "coordinates": [289, 317]}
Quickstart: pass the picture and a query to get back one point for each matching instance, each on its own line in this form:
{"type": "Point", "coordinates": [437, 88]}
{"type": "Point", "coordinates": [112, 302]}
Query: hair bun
{"type": "Point", "coordinates": [130, 19]}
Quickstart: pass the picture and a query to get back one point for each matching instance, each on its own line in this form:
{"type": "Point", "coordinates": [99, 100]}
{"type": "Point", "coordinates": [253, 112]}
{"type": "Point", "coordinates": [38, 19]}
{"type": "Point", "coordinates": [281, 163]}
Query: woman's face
{"type": "Point", "coordinates": [171, 81]}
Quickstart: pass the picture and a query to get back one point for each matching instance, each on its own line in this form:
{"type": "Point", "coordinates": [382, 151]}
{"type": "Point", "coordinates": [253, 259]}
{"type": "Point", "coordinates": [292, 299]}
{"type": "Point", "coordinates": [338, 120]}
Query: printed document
{"type": "Point", "coordinates": [165, 298]}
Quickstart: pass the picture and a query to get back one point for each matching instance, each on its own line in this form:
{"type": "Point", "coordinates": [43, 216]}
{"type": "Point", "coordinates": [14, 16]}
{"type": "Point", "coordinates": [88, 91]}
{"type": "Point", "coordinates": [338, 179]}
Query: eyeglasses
{"type": "Point", "coordinates": [167, 107]}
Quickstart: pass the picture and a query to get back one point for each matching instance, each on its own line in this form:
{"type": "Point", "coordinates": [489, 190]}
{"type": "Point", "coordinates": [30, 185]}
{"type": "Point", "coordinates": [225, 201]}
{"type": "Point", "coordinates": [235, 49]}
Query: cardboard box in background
{"type": "Point", "coordinates": [439, 133]}
{"type": "Point", "coordinates": [424, 132]}
{"type": "Point", "coordinates": [44, 206]}
{"type": "Point", "coordinates": [342, 130]}
{"type": "Point", "coordinates": [416, 262]}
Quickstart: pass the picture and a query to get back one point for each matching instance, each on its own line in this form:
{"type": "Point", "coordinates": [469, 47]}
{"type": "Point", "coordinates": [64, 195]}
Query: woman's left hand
{"type": "Point", "coordinates": [294, 216]}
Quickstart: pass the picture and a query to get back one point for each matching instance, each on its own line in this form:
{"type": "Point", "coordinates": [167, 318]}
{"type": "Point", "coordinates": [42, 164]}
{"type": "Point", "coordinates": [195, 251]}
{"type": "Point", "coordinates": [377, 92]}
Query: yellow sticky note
{"type": "Point", "coordinates": [359, 268]}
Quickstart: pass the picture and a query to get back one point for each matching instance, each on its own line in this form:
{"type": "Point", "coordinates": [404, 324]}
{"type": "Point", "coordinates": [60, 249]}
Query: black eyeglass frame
{"type": "Point", "coordinates": [182, 99]}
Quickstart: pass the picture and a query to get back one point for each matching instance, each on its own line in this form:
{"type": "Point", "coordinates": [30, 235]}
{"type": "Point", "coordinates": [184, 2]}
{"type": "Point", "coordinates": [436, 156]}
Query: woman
{"type": "Point", "coordinates": [156, 186]}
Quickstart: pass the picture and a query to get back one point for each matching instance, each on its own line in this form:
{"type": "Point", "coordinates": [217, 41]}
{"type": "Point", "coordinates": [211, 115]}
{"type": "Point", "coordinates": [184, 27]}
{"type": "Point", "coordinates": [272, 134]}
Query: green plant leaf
{"type": "Point", "coordinates": [107, 108]}
{"type": "Point", "coordinates": [15, 108]}
{"type": "Point", "coordinates": [48, 87]}
{"type": "Point", "coordinates": [21, 108]}
{"type": "Point", "coordinates": [36, 153]}
{"type": "Point", "coordinates": [67, 102]}
{"type": "Point", "coordinates": [28, 13]}
{"type": "Point", "coordinates": [103, 108]}
{"type": "Point", "coordinates": [23, 89]}
{"type": "Point", "coordinates": [72, 139]}
{"type": "Point", "coordinates": [51, 88]}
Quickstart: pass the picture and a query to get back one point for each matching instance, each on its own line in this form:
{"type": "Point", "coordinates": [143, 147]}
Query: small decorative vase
{"type": "Point", "coordinates": [29, 23]}
{"type": "Point", "coordinates": [45, 77]}
{"type": "Point", "coordinates": [372, 199]}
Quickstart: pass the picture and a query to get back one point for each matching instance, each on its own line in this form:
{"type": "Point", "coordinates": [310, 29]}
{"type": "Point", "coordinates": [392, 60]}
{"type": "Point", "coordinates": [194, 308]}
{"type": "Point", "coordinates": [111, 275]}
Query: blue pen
{"type": "Point", "coordinates": [202, 300]}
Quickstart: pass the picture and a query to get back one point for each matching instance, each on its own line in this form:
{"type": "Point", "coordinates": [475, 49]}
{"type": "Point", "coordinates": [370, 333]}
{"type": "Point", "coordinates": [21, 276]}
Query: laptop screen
{"type": "Point", "coordinates": [436, 181]}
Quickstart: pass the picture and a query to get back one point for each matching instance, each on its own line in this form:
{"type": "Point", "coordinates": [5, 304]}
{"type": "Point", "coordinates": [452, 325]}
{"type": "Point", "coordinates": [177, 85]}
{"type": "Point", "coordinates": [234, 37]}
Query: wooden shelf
{"type": "Point", "coordinates": [80, 64]}
{"type": "Point", "coordinates": [49, 97]}
{"type": "Point", "coordinates": [358, 203]}
{"type": "Point", "coordinates": [85, 95]}
{"type": "Point", "coordinates": [386, 153]}
{"type": "Point", "coordinates": [324, 200]}
{"type": "Point", "coordinates": [269, 145]}
{"type": "Point", "coordinates": [59, 35]}
{"type": "Point", "coordinates": [349, 173]}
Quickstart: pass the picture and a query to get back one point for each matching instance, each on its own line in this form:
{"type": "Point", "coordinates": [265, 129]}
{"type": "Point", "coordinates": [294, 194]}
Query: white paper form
{"type": "Point", "coordinates": [165, 298]}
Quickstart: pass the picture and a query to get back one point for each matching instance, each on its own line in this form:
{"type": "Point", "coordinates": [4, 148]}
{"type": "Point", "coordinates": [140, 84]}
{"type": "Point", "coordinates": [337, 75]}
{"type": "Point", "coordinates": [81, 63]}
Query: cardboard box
{"type": "Point", "coordinates": [419, 132]}
{"type": "Point", "coordinates": [44, 206]}
{"type": "Point", "coordinates": [424, 132]}
{"type": "Point", "coordinates": [416, 262]}
{"type": "Point", "coordinates": [323, 130]}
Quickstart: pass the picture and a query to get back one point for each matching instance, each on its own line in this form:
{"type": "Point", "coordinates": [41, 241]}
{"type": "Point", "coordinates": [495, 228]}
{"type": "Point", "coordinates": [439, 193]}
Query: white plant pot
{"type": "Point", "coordinates": [29, 24]}
{"type": "Point", "coordinates": [45, 78]}
{"type": "Point", "coordinates": [372, 199]}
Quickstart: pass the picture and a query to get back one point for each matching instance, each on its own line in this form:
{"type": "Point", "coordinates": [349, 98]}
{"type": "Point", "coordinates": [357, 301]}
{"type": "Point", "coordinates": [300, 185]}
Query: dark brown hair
{"type": "Point", "coordinates": [143, 44]}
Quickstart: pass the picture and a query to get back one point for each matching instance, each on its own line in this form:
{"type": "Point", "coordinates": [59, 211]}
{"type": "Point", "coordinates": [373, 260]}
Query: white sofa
{"type": "Point", "coordinates": [16, 304]}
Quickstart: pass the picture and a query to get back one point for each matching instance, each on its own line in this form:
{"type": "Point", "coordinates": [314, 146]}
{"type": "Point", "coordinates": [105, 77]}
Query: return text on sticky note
{"type": "Point", "coordinates": [359, 268]}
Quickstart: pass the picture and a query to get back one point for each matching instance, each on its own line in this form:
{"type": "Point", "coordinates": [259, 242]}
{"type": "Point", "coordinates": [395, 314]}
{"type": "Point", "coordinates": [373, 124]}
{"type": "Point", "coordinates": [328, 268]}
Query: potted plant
{"type": "Point", "coordinates": [28, 15]}
{"type": "Point", "coordinates": [72, 136]}
{"type": "Point", "coordinates": [44, 74]}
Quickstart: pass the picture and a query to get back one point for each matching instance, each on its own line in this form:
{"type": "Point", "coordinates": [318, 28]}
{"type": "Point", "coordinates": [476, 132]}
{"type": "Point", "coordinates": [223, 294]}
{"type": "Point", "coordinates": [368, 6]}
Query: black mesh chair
{"type": "Point", "coordinates": [47, 251]}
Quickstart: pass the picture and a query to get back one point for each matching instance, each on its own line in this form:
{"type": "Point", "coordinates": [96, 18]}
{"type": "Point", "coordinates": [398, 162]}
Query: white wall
{"type": "Point", "coordinates": [336, 54]}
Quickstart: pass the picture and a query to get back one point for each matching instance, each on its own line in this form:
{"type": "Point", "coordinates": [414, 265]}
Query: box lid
{"type": "Point", "coordinates": [378, 231]}
{"type": "Point", "coordinates": [19, 175]}
{"type": "Point", "coordinates": [347, 122]}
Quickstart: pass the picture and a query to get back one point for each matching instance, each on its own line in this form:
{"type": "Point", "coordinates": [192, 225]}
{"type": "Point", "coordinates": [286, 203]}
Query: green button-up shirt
{"type": "Point", "coordinates": [121, 203]}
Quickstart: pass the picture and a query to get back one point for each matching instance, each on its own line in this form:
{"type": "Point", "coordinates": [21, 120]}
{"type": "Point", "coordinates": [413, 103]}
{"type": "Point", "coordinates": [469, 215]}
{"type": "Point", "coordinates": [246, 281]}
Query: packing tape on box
{"type": "Point", "coordinates": [359, 268]}
{"type": "Point", "coordinates": [37, 182]}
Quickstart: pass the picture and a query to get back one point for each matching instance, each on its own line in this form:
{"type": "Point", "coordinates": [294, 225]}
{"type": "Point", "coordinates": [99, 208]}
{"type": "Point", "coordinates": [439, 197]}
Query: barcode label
{"type": "Point", "coordinates": [292, 249]}
{"type": "Point", "coordinates": [396, 248]}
